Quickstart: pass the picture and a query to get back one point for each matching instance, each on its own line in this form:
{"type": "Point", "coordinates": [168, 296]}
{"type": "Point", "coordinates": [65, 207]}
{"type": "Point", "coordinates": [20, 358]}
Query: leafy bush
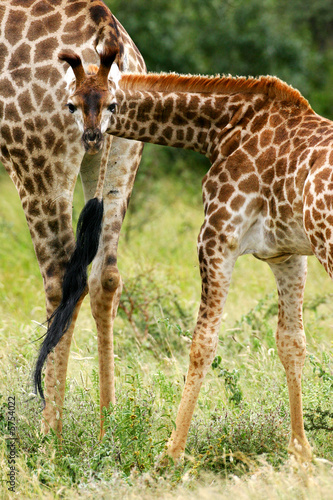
{"type": "Point", "coordinates": [152, 308]}
{"type": "Point", "coordinates": [236, 439]}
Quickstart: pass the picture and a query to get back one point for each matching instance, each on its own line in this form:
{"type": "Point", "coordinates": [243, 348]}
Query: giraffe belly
{"type": "Point", "coordinates": [275, 245]}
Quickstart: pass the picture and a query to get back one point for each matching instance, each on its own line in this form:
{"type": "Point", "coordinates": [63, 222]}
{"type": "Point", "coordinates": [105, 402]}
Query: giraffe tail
{"type": "Point", "coordinates": [74, 283]}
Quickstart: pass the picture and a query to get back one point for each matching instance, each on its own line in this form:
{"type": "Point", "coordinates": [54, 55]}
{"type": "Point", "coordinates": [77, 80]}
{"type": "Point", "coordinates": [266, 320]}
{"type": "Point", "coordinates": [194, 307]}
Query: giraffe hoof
{"type": "Point", "coordinates": [165, 461]}
{"type": "Point", "coordinates": [301, 451]}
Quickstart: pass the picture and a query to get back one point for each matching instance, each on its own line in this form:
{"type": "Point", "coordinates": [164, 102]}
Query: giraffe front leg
{"type": "Point", "coordinates": [290, 339]}
{"type": "Point", "coordinates": [215, 275]}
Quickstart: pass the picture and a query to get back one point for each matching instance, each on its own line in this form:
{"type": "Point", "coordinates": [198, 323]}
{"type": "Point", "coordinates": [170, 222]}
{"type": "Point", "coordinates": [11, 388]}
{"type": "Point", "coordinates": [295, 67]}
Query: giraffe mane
{"type": "Point", "coordinates": [272, 86]}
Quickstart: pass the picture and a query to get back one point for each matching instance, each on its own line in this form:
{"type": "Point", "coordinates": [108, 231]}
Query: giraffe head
{"type": "Point", "coordinates": [92, 95]}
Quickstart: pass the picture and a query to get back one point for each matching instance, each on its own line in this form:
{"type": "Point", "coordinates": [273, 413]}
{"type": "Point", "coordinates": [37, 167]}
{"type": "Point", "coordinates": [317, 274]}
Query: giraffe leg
{"type": "Point", "coordinates": [215, 275]}
{"type": "Point", "coordinates": [105, 283]}
{"type": "Point", "coordinates": [290, 339]}
{"type": "Point", "coordinates": [56, 366]}
{"type": "Point", "coordinates": [52, 255]}
{"type": "Point", "coordinates": [55, 380]}
{"type": "Point", "coordinates": [105, 288]}
{"type": "Point", "coordinates": [47, 205]}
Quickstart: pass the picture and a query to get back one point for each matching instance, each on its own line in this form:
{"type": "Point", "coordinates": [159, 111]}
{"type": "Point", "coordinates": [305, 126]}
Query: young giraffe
{"type": "Point", "coordinates": [42, 151]}
{"type": "Point", "coordinates": [269, 192]}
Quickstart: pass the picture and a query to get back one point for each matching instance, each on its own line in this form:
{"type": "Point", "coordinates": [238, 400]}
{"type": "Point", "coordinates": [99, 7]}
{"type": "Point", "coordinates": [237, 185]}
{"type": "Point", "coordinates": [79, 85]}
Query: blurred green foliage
{"type": "Point", "coordinates": [292, 40]}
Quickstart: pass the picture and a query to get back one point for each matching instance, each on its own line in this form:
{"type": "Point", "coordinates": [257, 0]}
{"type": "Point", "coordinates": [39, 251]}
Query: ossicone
{"type": "Point", "coordinates": [107, 55]}
{"type": "Point", "coordinates": [74, 60]}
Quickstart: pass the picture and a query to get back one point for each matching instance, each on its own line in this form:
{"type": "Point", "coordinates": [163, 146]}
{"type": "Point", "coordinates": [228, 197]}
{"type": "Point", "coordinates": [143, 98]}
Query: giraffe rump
{"type": "Point", "coordinates": [74, 283]}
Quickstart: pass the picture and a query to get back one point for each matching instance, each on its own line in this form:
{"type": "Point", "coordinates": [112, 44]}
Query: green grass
{"type": "Point", "coordinates": [238, 437]}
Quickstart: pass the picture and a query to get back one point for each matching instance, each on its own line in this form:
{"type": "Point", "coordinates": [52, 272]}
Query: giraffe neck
{"type": "Point", "coordinates": [206, 114]}
{"type": "Point", "coordinates": [180, 119]}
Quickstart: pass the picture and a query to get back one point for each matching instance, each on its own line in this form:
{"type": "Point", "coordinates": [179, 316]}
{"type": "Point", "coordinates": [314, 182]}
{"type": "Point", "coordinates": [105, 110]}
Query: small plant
{"type": "Point", "coordinates": [231, 379]}
{"type": "Point", "coordinates": [136, 431]}
{"type": "Point", "coordinates": [313, 303]}
{"type": "Point", "coordinates": [318, 419]}
{"type": "Point", "coordinates": [320, 371]}
{"type": "Point", "coordinates": [147, 304]}
{"type": "Point", "coordinates": [256, 324]}
{"type": "Point", "coordinates": [174, 328]}
{"type": "Point", "coordinates": [319, 415]}
{"type": "Point", "coordinates": [234, 438]}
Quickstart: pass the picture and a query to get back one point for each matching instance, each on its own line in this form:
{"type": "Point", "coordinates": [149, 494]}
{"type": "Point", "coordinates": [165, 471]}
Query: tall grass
{"type": "Point", "coordinates": [239, 434]}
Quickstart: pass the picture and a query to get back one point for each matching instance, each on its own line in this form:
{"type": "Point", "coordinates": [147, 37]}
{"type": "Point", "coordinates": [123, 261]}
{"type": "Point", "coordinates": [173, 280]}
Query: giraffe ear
{"type": "Point", "coordinates": [114, 74]}
{"type": "Point", "coordinates": [70, 80]}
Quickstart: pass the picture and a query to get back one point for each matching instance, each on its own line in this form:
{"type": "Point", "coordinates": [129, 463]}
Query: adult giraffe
{"type": "Point", "coordinates": [41, 149]}
{"type": "Point", "coordinates": [269, 192]}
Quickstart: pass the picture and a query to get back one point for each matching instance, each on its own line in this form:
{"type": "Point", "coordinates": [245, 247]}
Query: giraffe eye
{"type": "Point", "coordinates": [112, 107]}
{"type": "Point", "coordinates": [71, 107]}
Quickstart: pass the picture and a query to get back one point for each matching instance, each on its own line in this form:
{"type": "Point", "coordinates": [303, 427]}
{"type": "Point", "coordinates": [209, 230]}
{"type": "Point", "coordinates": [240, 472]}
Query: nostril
{"type": "Point", "coordinates": [91, 135]}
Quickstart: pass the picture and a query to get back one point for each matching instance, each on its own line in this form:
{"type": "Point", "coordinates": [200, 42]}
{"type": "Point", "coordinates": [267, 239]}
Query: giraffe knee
{"type": "Point", "coordinates": [203, 351]}
{"type": "Point", "coordinates": [110, 279]}
{"type": "Point", "coordinates": [202, 360]}
{"type": "Point", "coordinates": [291, 347]}
{"type": "Point", "coordinates": [53, 292]}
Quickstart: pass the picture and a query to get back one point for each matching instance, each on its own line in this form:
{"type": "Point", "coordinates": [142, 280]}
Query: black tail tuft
{"type": "Point", "coordinates": [75, 280]}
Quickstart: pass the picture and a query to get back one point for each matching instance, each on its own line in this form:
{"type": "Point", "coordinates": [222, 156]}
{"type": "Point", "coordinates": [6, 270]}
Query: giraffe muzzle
{"type": "Point", "coordinates": [92, 140]}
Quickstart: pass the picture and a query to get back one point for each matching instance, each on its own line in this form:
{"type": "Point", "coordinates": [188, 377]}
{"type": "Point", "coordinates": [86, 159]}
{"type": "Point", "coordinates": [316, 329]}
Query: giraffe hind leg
{"type": "Point", "coordinates": [105, 288]}
{"type": "Point", "coordinates": [74, 283]}
{"type": "Point", "coordinates": [290, 339]}
{"type": "Point", "coordinates": [55, 380]}
{"type": "Point", "coordinates": [105, 284]}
